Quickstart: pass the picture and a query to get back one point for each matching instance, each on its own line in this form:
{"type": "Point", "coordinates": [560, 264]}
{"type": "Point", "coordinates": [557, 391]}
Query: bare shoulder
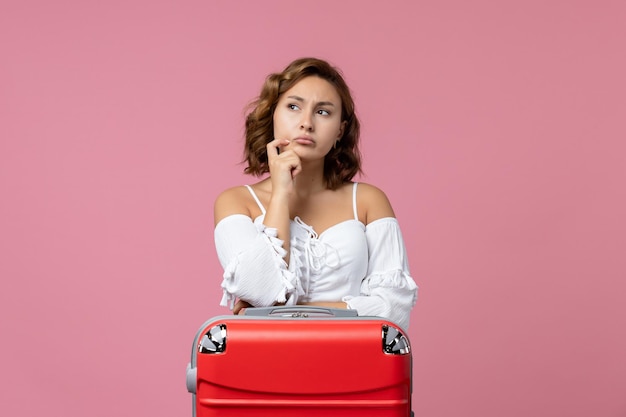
{"type": "Point", "coordinates": [372, 203]}
{"type": "Point", "coordinates": [231, 201]}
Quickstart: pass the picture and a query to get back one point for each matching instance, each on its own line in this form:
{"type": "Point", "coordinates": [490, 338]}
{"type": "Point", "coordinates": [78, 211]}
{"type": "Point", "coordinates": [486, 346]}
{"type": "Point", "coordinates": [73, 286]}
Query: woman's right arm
{"type": "Point", "coordinates": [230, 202]}
{"type": "Point", "coordinates": [251, 254]}
{"type": "Point", "coordinates": [284, 166]}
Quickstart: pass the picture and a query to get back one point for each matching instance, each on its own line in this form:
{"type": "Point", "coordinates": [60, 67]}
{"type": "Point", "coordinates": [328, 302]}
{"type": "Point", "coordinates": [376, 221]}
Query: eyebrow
{"type": "Point", "coordinates": [321, 103]}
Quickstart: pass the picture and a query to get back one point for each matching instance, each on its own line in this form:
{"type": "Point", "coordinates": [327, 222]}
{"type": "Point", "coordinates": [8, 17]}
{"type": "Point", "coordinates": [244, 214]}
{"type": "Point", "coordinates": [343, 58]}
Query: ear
{"type": "Point", "coordinates": [342, 129]}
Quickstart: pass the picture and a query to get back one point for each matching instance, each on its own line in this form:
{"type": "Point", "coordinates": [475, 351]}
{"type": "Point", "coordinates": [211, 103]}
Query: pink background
{"type": "Point", "coordinates": [497, 129]}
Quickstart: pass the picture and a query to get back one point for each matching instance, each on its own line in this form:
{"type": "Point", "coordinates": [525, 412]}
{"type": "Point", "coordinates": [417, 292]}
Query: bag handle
{"type": "Point", "coordinates": [299, 312]}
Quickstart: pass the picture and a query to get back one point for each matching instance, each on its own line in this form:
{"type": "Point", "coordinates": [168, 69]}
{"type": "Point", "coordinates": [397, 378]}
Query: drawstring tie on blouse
{"type": "Point", "coordinates": [317, 254]}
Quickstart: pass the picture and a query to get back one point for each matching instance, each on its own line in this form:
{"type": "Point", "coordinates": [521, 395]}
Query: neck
{"type": "Point", "coordinates": [310, 180]}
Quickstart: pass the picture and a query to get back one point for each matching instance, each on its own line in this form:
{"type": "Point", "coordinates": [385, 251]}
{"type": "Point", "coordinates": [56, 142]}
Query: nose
{"type": "Point", "coordinates": [306, 122]}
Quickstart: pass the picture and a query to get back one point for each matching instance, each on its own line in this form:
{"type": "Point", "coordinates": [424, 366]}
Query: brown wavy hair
{"type": "Point", "coordinates": [343, 162]}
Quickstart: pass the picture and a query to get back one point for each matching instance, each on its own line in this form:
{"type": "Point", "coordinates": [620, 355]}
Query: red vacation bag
{"type": "Point", "coordinates": [300, 361]}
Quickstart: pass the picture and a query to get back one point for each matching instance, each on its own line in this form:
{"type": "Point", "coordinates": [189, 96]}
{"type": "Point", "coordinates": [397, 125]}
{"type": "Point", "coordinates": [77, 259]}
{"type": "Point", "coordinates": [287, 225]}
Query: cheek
{"type": "Point", "coordinates": [280, 119]}
{"type": "Point", "coordinates": [278, 124]}
{"type": "Point", "coordinates": [334, 130]}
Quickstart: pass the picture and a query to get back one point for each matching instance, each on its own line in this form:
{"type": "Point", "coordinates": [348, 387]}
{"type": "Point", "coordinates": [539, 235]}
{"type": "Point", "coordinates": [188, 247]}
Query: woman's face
{"type": "Point", "coordinates": [309, 116]}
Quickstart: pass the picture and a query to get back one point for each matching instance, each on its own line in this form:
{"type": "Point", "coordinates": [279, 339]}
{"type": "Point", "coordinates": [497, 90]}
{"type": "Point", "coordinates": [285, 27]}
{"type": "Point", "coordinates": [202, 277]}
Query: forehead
{"type": "Point", "coordinates": [314, 89]}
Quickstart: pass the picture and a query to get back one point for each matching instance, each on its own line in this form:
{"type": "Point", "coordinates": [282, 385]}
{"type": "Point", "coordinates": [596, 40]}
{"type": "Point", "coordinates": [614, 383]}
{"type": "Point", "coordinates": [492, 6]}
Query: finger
{"type": "Point", "coordinates": [289, 161]}
{"type": "Point", "coordinates": [238, 306]}
{"type": "Point", "coordinates": [296, 170]}
{"type": "Point", "coordinates": [276, 146]}
{"type": "Point", "coordinates": [272, 148]}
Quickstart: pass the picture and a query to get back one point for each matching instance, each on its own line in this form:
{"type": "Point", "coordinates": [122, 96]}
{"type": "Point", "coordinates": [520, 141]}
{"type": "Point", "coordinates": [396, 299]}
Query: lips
{"type": "Point", "coordinates": [304, 140]}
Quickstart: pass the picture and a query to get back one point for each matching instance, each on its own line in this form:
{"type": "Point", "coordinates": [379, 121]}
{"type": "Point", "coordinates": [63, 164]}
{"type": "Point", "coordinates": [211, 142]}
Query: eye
{"type": "Point", "coordinates": [323, 112]}
{"type": "Point", "coordinates": [292, 106]}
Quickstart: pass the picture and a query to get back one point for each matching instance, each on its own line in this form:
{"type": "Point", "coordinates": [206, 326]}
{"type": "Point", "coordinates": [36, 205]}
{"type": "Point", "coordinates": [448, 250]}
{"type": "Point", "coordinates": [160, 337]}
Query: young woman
{"type": "Point", "coordinates": [307, 234]}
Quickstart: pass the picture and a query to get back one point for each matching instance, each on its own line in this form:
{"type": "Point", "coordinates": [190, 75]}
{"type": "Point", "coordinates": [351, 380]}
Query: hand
{"type": "Point", "coordinates": [240, 307]}
{"type": "Point", "coordinates": [284, 165]}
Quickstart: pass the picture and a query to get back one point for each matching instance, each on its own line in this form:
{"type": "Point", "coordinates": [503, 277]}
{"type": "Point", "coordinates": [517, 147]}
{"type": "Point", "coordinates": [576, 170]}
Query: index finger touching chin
{"type": "Point", "coordinates": [275, 147]}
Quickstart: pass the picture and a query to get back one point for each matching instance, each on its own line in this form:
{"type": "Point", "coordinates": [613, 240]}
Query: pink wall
{"type": "Point", "coordinates": [497, 129]}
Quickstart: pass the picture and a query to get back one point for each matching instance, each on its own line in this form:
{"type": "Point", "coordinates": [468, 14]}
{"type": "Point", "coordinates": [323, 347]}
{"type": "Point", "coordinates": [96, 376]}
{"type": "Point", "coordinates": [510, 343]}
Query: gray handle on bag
{"type": "Point", "coordinates": [299, 312]}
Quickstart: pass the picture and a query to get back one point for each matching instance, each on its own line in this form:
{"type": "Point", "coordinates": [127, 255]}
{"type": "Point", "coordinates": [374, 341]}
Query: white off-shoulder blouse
{"type": "Point", "coordinates": [365, 266]}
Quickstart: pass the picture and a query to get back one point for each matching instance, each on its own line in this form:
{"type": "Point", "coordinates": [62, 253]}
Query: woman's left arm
{"type": "Point", "coordinates": [388, 290]}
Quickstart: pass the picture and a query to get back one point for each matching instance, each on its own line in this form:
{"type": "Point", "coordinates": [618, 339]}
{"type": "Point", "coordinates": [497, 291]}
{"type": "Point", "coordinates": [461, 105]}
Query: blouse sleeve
{"type": "Point", "coordinates": [388, 289]}
{"type": "Point", "coordinates": [252, 258]}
